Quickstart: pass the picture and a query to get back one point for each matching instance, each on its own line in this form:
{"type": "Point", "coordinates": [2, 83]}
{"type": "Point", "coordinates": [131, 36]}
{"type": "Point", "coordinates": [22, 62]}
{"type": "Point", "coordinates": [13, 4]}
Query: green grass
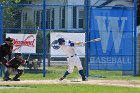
{"type": "Point", "coordinates": [55, 72]}
{"type": "Point", "coordinates": [69, 88]}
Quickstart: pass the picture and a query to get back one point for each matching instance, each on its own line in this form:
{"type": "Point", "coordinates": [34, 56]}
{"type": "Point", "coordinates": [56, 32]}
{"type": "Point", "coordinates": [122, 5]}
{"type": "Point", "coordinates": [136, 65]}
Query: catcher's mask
{"type": "Point", "coordinates": [17, 54]}
{"type": "Point", "coordinates": [61, 41]}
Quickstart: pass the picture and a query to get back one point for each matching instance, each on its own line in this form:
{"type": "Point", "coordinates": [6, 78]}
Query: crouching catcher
{"type": "Point", "coordinates": [13, 67]}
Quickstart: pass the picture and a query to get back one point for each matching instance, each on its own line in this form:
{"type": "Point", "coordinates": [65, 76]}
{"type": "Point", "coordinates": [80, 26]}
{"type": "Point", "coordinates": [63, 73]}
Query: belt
{"type": "Point", "coordinates": [72, 56]}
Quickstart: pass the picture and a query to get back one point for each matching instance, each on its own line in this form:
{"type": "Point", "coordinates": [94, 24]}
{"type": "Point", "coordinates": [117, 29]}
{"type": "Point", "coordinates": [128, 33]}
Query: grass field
{"type": "Point", "coordinates": [57, 71]}
{"type": "Point", "coordinates": [68, 88]}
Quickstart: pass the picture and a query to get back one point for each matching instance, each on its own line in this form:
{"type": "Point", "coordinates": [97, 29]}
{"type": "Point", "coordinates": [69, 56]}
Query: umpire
{"type": "Point", "coordinates": [6, 49]}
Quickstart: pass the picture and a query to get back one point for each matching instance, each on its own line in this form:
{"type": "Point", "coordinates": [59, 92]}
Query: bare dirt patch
{"type": "Point", "coordinates": [124, 83]}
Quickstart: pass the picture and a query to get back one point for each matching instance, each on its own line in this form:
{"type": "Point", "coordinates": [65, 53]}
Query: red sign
{"type": "Point", "coordinates": [29, 41]}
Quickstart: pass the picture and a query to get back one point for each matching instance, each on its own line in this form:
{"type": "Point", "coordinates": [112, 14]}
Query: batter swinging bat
{"type": "Point", "coordinates": [56, 46]}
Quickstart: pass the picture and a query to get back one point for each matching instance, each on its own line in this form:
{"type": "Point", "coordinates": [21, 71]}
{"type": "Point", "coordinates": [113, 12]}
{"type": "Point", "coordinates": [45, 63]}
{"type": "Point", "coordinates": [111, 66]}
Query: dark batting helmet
{"type": "Point", "coordinates": [61, 41]}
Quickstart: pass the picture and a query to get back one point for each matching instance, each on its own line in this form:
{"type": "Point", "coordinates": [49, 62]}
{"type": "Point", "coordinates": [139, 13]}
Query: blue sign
{"type": "Point", "coordinates": [115, 28]}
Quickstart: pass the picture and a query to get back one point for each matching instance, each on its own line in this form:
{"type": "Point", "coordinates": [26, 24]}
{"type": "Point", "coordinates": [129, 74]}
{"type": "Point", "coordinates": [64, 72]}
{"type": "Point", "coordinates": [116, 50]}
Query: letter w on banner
{"type": "Point", "coordinates": [24, 43]}
{"type": "Point", "coordinates": [115, 27]}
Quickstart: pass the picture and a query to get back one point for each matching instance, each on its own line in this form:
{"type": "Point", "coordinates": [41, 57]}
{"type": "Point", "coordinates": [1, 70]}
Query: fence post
{"type": "Point", "coordinates": [87, 34]}
{"type": "Point", "coordinates": [1, 34]}
{"type": "Point", "coordinates": [135, 36]}
{"type": "Point", "coordinates": [1, 24]}
{"type": "Point", "coordinates": [44, 38]}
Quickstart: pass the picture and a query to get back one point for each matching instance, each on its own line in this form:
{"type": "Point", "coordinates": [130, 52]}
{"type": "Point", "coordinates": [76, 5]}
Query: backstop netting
{"type": "Point", "coordinates": [34, 26]}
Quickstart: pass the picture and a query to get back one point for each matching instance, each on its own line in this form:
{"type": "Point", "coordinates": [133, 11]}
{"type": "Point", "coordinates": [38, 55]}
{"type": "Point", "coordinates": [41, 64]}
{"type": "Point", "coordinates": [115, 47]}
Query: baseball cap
{"type": "Point", "coordinates": [8, 39]}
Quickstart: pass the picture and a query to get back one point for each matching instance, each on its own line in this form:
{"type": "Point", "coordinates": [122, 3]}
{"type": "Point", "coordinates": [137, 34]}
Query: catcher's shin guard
{"type": "Point", "coordinates": [20, 72]}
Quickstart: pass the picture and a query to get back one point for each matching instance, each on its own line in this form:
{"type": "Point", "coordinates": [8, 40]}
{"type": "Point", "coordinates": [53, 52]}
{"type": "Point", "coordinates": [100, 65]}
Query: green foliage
{"type": "Point", "coordinates": [29, 24]}
{"type": "Point", "coordinates": [11, 1]}
{"type": "Point", "coordinates": [9, 17]}
{"type": "Point", "coordinates": [10, 13]}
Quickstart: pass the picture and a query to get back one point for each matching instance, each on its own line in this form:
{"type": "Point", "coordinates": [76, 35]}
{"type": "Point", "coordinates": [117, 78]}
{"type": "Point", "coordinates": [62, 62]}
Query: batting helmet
{"type": "Point", "coordinates": [61, 41]}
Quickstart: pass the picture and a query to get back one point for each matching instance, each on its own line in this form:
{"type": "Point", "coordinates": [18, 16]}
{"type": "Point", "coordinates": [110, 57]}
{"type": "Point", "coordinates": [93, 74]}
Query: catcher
{"type": "Point", "coordinates": [12, 67]}
{"type": "Point", "coordinates": [72, 58]}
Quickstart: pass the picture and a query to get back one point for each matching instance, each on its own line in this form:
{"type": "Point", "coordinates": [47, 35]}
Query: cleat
{"type": "Point", "coordinates": [61, 78]}
{"type": "Point", "coordinates": [84, 79]}
{"type": "Point", "coordinates": [16, 79]}
{"type": "Point", "coordinates": [7, 79]}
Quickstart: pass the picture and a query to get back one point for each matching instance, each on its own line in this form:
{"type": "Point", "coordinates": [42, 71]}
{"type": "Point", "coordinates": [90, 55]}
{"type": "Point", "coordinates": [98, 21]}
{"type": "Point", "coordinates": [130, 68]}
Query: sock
{"type": "Point", "coordinates": [66, 73]}
{"type": "Point", "coordinates": [81, 72]}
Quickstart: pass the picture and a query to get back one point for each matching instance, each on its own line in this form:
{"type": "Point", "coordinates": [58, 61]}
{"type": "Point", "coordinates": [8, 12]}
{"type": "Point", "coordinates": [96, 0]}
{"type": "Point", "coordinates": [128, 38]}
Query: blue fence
{"type": "Point", "coordinates": [39, 19]}
{"type": "Point", "coordinates": [115, 27]}
{"type": "Point", "coordinates": [113, 24]}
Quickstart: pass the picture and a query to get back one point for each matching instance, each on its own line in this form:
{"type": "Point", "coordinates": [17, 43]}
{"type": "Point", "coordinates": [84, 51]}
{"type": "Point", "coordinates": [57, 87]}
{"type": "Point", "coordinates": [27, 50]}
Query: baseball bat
{"type": "Point", "coordinates": [94, 40]}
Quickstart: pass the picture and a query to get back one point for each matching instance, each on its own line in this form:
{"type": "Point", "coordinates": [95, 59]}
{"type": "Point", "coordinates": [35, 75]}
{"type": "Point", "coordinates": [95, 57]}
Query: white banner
{"type": "Point", "coordinates": [24, 43]}
{"type": "Point", "coordinates": [76, 37]}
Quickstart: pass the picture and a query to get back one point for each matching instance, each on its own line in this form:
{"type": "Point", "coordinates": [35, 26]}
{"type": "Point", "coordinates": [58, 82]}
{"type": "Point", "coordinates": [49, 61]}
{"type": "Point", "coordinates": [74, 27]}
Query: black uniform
{"type": "Point", "coordinates": [5, 50]}
{"type": "Point", "coordinates": [15, 63]}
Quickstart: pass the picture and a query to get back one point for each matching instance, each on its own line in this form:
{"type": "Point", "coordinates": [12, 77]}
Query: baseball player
{"type": "Point", "coordinates": [5, 50]}
{"type": "Point", "coordinates": [72, 58]}
{"type": "Point", "coordinates": [12, 67]}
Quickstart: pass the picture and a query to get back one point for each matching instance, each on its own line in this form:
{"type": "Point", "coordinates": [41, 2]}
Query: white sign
{"type": "Point", "coordinates": [76, 37]}
{"type": "Point", "coordinates": [24, 43]}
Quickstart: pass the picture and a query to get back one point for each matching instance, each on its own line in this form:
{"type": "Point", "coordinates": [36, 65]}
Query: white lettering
{"type": "Point", "coordinates": [106, 25]}
{"type": "Point", "coordinates": [110, 60]}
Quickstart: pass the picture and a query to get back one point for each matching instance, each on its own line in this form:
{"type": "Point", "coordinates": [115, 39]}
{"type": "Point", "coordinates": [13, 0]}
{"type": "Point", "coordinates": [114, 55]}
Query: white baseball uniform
{"type": "Point", "coordinates": [72, 58]}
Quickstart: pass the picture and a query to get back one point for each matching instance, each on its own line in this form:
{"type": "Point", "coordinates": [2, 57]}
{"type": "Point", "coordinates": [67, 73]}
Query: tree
{"type": "Point", "coordinates": [11, 13]}
{"type": "Point", "coordinates": [12, 1]}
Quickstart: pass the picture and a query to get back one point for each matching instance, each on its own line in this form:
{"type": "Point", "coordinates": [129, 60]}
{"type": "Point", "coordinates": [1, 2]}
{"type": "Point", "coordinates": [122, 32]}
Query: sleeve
{"type": "Point", "coordinates": [11, 48]}
{"type": "Point", "coordinates": [9, 56]}
{"type": "Point", "coordinates": [9, 63]}
{"type": "Point", "coordinates": [70, 43]}
{"type": "Point", "coordinates": [23, 62]}
{"type": "Point", "coordinates": [0, 52]}
{"type": "Point", "coordinates": [73, 44]}
{"type": "Point", "coordinates": [1, 48]}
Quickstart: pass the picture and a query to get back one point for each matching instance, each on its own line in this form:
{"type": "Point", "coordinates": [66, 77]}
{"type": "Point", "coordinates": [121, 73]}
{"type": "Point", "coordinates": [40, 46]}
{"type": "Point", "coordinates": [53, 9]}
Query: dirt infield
{"type": "Point", "coordinates": [125, 83]}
